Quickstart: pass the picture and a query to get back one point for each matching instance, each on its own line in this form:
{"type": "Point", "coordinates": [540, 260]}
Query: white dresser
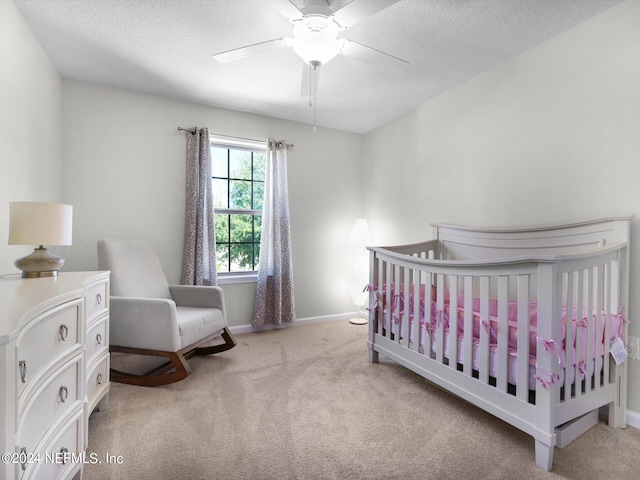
{"type": "Point", "coordinates": [54, 371]}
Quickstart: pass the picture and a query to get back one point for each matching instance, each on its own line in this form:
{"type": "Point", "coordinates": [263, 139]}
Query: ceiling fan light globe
{"type": "Point", "coordinates": [315, 39]}
{"type": "Point", "coordinates": [316, 49]}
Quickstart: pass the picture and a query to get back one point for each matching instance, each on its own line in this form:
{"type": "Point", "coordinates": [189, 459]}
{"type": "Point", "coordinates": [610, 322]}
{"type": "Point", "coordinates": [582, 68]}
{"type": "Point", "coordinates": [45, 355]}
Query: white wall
{"type": "Point", "coordinates": [30, 128]}
{"type": "Point", "coordinates": [551, 135]}
{"type": "Point", "coordinates": [123, 170]}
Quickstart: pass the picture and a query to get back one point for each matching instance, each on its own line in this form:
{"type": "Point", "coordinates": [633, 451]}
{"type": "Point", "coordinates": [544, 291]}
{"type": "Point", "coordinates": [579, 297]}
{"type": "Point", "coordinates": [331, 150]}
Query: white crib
{"type": "Point", "coordinates": [519, 322]}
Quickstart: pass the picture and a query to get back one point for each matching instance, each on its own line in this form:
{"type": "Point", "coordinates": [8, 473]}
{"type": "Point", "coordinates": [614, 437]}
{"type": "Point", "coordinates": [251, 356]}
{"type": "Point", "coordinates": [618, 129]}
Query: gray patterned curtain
{"type": "Point", "coordinates": [274, 292]}
{"type": "Point", "coordinates": [199, 266]}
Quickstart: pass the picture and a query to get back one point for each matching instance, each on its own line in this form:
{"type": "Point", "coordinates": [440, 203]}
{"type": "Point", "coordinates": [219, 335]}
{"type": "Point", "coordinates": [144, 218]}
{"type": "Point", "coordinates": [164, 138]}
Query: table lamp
{"type": "Point", "coordinates": [36, 223]}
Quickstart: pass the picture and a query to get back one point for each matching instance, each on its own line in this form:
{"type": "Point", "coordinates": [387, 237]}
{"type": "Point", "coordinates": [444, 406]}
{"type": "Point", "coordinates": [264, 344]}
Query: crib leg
{"type": "Point", "coordinates": [544, 455]}
{"type": "Point", "coordinates": [618, 408]}
{"type": "Point", "coordinates": [373, 355]}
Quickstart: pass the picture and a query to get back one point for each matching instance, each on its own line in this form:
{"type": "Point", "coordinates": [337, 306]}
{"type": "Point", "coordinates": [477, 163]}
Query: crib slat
{"type": "Point", "coordinates": [581, 322]}
{"type": "Point", "coordinates": [503, 333]}
{"type": "Point", "coordinates": [403, 335]}
{"type": "Point", "coordinates": [485, 326]}
{"type": "Point", "coordinates": [388, 286]}
{"type": "Point", "coordinates": [439, 337]}
{"type": "Point", "coordinates": [607, 323]}
{"type": "Point", "coordinates": [570, 369]}
{"type": "Point", "coordinates": [380, 286]}
{"type": "Point", "coordinates": [615, 286]}
{"type": "Point", "coordinates": [468, 324]}
{"type": "Point", "coordinates": [590, 328]}
{"type": "Point", "coordinates": [417, 302]}
{"type": "Point", "coordinates": [453, 321]}
{"type": "Point", "coordinates": [522, 381]}
{"type": "Point", "coordinates": [599, 326]}
{"type": "Point", "coordinates": [557, 318]}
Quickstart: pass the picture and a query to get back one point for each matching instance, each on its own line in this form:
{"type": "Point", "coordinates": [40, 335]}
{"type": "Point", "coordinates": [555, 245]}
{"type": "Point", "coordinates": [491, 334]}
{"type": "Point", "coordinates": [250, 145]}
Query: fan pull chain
{"type": "Point", "coordinates": [310, 85]}
{"type": "Point", "coordinates": [313, 90]}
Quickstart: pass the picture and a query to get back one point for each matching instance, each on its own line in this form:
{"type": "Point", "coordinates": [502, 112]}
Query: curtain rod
{"type": "Point", "coordinates": [280, 144]}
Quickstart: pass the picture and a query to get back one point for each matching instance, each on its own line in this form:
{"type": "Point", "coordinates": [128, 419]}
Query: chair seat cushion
{"type": "Point", "coordinates": [196, 323]}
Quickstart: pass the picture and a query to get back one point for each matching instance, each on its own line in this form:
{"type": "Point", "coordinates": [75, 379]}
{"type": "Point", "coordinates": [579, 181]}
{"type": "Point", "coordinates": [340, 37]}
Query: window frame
{"type": "Point", "coordinates": [231, 143]}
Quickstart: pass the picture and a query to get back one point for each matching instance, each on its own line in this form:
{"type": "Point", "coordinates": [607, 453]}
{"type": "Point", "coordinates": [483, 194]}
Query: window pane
{"type": "Point", "coordinates": [220, 193]}
{"type": "Point", "coordinates": [257, 222]}
{"type": "Point", "coordinates": [256, 255]}
{"type": "Point", "coordinates": [222, 258]}
{"type": "Point", "coordinates": [242, 256]}
{"type": "Point", "coordinates": [258, 195]}
{"type": "Point", "coordinates": [240, 194]}
{"type": "Point", "coordinates": [219, 166]}
{"type": "Point", "coordinates": [259, 161]}
{"type": "Point", "coordinates": [240, 164]}
{"type": "Point", "coordinates": [222, 228]}
{"type": "Point", "coordinates": [241, 228]}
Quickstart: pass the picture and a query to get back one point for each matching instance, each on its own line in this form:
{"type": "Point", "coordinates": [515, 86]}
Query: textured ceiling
{"type": "Point", "coordinates": [165, 47]}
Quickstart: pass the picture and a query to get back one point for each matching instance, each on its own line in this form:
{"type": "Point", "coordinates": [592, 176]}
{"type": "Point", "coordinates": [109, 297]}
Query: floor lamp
{"type": "Point", "coordinates": [359, 267]}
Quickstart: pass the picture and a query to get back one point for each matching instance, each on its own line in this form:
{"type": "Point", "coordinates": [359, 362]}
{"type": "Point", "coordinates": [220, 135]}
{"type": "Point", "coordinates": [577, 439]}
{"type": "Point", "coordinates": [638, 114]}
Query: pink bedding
{"type": "Point", "coordinates": [554, 347]}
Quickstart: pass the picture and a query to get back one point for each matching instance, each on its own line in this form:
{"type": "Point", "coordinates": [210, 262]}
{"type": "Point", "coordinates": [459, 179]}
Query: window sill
{"type": "Point", "coordinates": [231, 279]}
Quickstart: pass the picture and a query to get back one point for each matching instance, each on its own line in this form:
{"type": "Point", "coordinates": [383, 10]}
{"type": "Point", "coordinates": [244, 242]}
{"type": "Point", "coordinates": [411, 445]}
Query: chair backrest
{"type": "Point", "coordinates": [135, 268]}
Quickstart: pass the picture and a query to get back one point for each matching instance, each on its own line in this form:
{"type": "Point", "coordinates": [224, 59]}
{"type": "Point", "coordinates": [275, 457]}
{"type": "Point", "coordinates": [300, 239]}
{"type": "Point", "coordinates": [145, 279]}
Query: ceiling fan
{"type": "Point", "coordinates": [316, 26]}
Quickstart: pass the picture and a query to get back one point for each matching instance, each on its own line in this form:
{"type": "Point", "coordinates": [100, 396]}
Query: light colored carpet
{"type": "Point", "coordinates": [304, 403]}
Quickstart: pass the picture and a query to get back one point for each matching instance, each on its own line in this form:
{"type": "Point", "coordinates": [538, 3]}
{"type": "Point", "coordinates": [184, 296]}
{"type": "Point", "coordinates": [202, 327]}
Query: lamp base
{"type": "Point", "coordinates": [41, 263]}
{"type": "Point", "coordinates": [358, 321]}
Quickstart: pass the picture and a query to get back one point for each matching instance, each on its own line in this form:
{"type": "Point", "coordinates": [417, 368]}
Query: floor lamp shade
{"type": "Point", "coordinates": [36, 223]}
{"type": "Point", "coordinates": [359, 265]}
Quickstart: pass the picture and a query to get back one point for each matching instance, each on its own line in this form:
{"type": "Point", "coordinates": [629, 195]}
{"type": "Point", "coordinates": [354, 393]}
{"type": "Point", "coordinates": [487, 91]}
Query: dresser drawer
{"type": "Point", "coordinates": [46, 337]}
{"type": "Point", "coordinates": [95, 299]}
{"type": "Point", "coordinates": [62, 456]}
{"type": "Point", "coordinates": [61, 393]}
{"type": "Point", "coordinates": [97, 339]}
{"type": "Point", "coordinates": [97, 379]}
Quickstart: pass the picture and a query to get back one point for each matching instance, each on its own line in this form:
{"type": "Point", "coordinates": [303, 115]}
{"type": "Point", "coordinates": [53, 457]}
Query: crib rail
{"type": "Point", "coordinates": [520, 331]}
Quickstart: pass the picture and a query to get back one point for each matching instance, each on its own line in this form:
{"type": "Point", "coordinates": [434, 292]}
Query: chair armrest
{"type": "Point", "coordinates": [148, 323]}
{"type": "Point", "coordinates": [198, 296]}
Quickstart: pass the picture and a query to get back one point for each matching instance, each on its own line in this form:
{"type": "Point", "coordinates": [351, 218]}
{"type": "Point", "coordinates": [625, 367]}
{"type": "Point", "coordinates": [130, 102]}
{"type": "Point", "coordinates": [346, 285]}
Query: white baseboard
{"type": "Point", "coordinates": [238, 329]}
{"type": "Point", "coordinates": [633, 419]}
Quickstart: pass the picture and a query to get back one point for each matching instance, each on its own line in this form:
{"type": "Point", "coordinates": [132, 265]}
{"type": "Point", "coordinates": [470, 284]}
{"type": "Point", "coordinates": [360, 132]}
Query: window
{"type": "Point", "coordinates": [238, 188]}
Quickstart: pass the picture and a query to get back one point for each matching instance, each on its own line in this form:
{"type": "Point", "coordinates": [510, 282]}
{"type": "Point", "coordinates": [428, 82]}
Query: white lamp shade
{"type": "Point", "coordinates": [359, 260]}
{"type": "Point", "coordinates": [36, 223]}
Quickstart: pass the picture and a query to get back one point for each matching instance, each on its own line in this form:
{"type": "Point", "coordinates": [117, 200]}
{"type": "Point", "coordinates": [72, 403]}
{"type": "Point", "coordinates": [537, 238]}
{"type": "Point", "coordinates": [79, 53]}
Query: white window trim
{"type": "Point", "coordinates": [238, 143]}
{"type": "Point", "coordinates": [228, 278]}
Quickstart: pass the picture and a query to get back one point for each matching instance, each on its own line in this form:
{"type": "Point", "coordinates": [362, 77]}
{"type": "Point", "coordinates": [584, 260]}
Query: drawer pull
{"type": "Point", "coordinates": [64, 393]}
{"type": "Point", "coordinates": [23, 370]}
{"type": "Point", "coordinates": [99, 339]}
{"type": "Point", "coordinates": [64, 332]}
{"type": "Point", "coordinates": [64, 452]}
{"type": "Point", "coordinates": [99, 379]}
{"type": "Point", "coordinates": [99, 299]}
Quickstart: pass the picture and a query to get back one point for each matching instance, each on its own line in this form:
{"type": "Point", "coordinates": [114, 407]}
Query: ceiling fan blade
{"type": "Point", "coordinates": [310, 81]}
{"type": "Point", "coordinates": [358, 10]}
{"type": "Point", "coordinates": [288, 10]}
{"type": "Point", "coordinates": [372, 56]}
{"type": "Point", "coordinates": [244, 52]}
